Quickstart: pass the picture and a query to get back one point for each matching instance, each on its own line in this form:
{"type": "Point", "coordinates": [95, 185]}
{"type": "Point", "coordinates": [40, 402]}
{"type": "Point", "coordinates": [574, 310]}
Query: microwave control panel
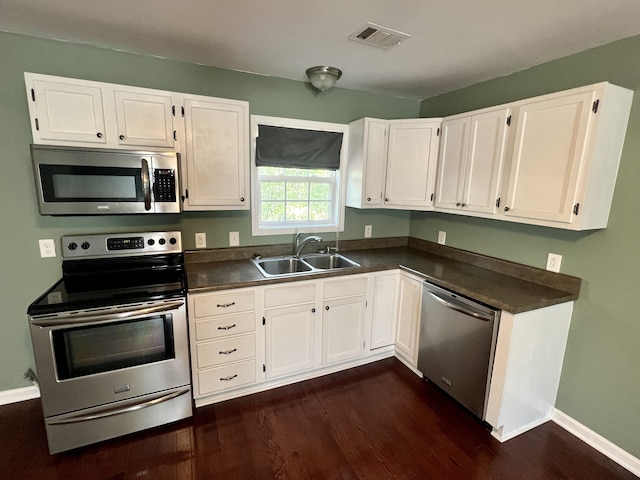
{"type": "Point", "coordinates": [164, 185]}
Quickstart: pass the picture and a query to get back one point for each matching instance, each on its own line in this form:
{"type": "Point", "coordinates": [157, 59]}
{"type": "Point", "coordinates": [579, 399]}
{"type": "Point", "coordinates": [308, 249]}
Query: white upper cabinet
{"type": "Point", "coordinates": [555, 165]}
{"type": "Point", "coordinates": [392, 163]}
{"type": "Point", "coordinates": [67, 111]}
{"type": "Point", "coordinates": [144, 119]}
{"type": "Point", "coordinates": [471, 159]}
{"type": "Point", "coordinates": [411, 163]}
{"type": "Point", "coordinates": [212, 134]}
{"type": "Point", "coordinates": [367, 162]}
{"type": "Point", "coordinates": [217, 154]}
{"type": "Point", "coordinates": [566, 153]}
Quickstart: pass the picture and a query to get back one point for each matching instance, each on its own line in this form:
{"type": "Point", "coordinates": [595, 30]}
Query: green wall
{"type": "Point", "coordinates": [600, 384]}
{"type": "Point", "coordinates": [25, 275]}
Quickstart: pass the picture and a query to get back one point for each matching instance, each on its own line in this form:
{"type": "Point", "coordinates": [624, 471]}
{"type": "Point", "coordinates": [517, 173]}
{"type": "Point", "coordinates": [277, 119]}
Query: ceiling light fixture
{"type": "Point", "coordinates": [323, 78]}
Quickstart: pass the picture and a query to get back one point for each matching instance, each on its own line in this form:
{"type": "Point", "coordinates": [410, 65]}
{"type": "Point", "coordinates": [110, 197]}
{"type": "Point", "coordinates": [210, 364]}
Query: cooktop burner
{"type": "Point", "coordinates": [115, 269]}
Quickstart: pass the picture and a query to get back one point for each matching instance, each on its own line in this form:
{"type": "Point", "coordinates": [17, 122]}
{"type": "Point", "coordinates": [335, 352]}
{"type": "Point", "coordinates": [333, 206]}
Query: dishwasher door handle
{"type": "Point", "coordinates": [458, 308]}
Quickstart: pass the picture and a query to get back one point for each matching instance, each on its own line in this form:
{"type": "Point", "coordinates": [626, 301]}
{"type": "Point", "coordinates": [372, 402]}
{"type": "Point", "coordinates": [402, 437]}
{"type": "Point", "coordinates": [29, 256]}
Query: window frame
{"type": "Point", "coordinates": [339, 200]}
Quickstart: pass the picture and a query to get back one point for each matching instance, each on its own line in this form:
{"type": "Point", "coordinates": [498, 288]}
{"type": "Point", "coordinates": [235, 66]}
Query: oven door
{"type": "Point", "coordinates": [88, 359]}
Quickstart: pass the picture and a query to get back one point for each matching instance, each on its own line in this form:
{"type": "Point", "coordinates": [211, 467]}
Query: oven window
{"type": "Point", "coordinates": [101, 348]}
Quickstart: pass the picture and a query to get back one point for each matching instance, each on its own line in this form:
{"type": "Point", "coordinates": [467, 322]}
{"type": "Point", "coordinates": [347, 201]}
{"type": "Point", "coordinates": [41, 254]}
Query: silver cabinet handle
{"type": "Point", "coordinates": [228, 327]}
{"type": "Point", "coordinates": [225, 305]}
{"type": "Point", "coordinates": [227, 379]}
{"type": "Point", "coordinates": [227, 352]}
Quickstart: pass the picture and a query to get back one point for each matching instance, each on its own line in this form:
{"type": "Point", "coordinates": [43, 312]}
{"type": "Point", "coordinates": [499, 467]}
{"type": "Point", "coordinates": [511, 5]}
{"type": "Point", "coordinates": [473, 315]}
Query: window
{"type": "Point", "coordinates": [288, 199]}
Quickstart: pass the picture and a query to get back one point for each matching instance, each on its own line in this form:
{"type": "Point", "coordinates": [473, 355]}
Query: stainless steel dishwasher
{"type": "Point", "coordinates": [457, 344]}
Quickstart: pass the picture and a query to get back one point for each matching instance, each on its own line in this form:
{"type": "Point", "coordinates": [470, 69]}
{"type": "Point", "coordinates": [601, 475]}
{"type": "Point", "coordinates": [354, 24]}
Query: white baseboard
{"type": "Point", "coordinates": [503, 437]}
{"type": "Point", "coordinates": [604, 446]}
{"type": "Point", "coordinates": [19, 394]}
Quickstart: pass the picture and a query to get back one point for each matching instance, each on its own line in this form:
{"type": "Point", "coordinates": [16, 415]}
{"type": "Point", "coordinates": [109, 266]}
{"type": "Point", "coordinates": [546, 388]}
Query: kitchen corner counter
{"type": "Point", "coordinates": [509, 286]}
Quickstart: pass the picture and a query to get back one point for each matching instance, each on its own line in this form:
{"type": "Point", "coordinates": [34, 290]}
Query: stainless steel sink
{"type": "Point", "coordinates": [328, 262]}
{"type": "Point", "coordinates": [283, 266]}
{"type": "Point", "coordinates": [289, 265]}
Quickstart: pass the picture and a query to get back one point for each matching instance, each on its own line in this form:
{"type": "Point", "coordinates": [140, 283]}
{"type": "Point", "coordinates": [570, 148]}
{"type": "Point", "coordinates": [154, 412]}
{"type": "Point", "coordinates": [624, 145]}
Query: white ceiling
{"type": "Point", "coordinates": [453, 43]}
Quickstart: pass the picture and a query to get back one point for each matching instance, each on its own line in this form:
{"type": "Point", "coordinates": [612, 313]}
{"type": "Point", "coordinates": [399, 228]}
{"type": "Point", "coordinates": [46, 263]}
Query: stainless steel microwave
{"type": "Point", "coordinates": [83, 181]}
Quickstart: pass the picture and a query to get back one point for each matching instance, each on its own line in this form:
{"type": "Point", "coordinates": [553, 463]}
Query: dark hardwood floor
{"type": "Point", "coordinates": [379, 421]}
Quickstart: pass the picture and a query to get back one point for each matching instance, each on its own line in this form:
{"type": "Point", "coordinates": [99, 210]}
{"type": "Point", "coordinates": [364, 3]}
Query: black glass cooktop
{"type": "Point", "coordinates": [99, 283]}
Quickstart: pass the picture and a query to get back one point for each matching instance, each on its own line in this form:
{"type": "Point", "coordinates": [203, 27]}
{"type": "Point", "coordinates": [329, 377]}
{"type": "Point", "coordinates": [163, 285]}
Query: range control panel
{"type": "Point", "coordinates": [120, 244]}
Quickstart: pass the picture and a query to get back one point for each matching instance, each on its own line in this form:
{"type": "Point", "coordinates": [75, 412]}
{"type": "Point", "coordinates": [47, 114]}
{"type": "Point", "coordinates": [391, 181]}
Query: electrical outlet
{"type": "Point", "coordinates": [47, 248]}
{"type": "Point", "coordinates": [234, 239]}
{"type": "Point", "coordinates": [442, 237]}
{"type": "Point", "coordinates": [553, 262]}
{"type": "Point", "coordinates": [368, 231]}
{"type": "Point", "coordinates": [201, 240]}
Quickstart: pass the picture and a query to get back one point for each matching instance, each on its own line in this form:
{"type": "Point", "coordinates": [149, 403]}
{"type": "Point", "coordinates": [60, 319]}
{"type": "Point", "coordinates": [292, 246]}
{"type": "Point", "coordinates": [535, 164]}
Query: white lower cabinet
{"type": "Point", "coordinates": [408, 323]}
{"type": "Point", "coordinates": [343, 318]}
{"type": "Point", "coordinates": [526, 369]}
{"type": "Point", "coordinates": [222, 340]}
{"type": "Point", "coordinates": [251, 339]}
{"type": "Point", "coordinates": [289, 323]}
{"type": "Point", "coordinates": [384, 304]}
{"type": "Point", "coordinates": [289, 339]}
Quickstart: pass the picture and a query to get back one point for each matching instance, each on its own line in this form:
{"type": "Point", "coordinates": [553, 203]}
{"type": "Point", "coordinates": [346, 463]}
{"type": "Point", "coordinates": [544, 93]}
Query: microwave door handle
{"type": "Point", "coordinates": [146, 184]}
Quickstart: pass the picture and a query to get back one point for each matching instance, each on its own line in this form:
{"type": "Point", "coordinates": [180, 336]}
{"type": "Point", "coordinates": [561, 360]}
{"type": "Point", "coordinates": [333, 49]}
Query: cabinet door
{"type": "Point", "coordinates": [343, 328]}
{"type": "Point", "coordinates": [217, 154]}
{"type": "Point", "coordinates": [484, 161]}
{"type": "Point", "coordinates": [375, 160]}
{"type": "Point", "coordinates": [549, 151]}
{"type": "Point", "coordinates": [452, 161]}
{"type": "Point", "coordinates": [411, 163]}
{"type": "Point", "coordinates": [144, 119]}
{"type": "Point", "coordinates": [409, 303]}
{"type": "Point", "coordinates": [289, 339]}
{"type": "Point", "coordinates": [69, 112]}
{"type": "Point", "coordinates": [384, 309]}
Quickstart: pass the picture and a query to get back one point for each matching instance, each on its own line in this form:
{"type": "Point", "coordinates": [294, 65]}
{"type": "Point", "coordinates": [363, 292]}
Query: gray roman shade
{"type": "Point", "coordinates": [297, 148]}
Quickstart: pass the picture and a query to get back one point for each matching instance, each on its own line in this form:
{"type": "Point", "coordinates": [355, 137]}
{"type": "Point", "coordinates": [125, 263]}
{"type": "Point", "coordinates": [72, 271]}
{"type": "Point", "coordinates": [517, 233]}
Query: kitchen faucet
{"type": "Point", "coordinates": [300, 244]}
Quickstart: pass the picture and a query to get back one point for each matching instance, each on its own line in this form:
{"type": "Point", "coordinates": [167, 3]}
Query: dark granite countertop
{"type": "Point", "coordinates": [501, 284]}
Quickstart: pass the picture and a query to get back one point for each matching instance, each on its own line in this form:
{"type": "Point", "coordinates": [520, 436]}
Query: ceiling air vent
{"type": "Point", "coordinates": [378, 36]}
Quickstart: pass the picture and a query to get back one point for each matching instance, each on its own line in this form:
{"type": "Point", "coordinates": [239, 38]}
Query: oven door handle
{"type": "Point", "coordinates": [146, 184]}
{"type": "Point", "coordinates": [106, 317]}
{"type": "Point", "coordinates": [111, 411]}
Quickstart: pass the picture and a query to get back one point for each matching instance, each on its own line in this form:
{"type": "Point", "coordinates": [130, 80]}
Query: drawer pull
{"type": "Point", "coordinates": [227, 352]}
{"type": "Point", "coordinates": [228, 327]}
{"type": "Point", "coordinates": [228, 379]}
{"type": "Point", "coordinates": [225, 305]}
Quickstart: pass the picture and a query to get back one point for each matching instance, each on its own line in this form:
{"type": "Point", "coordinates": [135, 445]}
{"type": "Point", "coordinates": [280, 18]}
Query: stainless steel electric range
{"type": "Point", "coordinates": [110, 338]}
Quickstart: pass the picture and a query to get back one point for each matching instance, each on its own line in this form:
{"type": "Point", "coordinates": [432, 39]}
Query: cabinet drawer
{"type": "Point", "coordinates": [345, 287]}
{"type": "Point", "coordinates": [217, 327]}
{"type": "Point", "coordinates": [226, 350]}
{"type": "Point", "coordinates": [292, 293]}
{"type": "Point", "coordinates": [223, 303]}
{"type": "Point", "coordinates": [226, 376]}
